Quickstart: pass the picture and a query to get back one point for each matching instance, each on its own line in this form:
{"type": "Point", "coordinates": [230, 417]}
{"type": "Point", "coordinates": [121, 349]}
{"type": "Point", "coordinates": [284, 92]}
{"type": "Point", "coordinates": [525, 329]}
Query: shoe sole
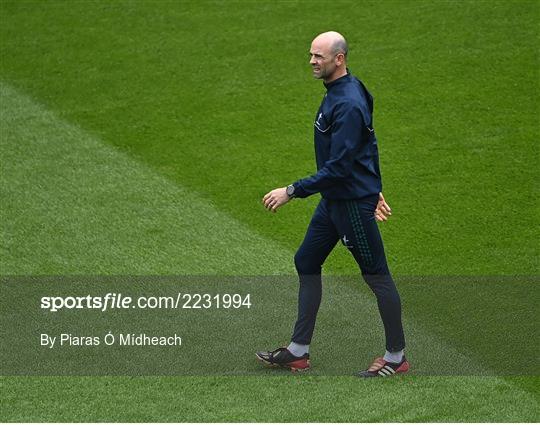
{"type": "Point", "coordinates": [379, 376]}
{"type": "Point", "coordinates": [398, 372]}
{"type": "Point", "coordinates": [285, 366]}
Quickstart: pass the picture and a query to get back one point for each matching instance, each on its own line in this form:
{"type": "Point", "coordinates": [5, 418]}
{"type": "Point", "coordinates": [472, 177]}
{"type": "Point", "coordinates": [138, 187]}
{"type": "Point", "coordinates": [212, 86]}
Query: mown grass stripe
{"type": "Point", "coordinates": [74, 205]}
{"type": "Point", "coordinates": [218, 399]}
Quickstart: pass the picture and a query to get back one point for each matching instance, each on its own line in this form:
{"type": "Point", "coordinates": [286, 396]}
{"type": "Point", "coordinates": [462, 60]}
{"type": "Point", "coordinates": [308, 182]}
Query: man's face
{"type": "Point", "coordinates": [322, 61]}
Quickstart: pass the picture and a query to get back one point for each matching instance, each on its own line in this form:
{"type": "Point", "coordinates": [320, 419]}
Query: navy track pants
{"type": "Point", "coordinates": [353, 222]}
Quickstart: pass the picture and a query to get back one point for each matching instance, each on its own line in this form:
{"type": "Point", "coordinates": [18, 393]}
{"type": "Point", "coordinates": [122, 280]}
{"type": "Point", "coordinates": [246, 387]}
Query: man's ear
{"type": "Point", "coordinates": [340, 59]}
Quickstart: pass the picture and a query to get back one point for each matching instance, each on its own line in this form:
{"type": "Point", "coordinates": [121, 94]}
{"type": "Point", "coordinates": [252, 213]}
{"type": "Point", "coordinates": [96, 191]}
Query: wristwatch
{"type": "Point", "coordinates": [290, 191]}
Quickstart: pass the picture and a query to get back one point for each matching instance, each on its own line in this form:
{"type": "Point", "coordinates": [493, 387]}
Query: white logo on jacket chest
{"type": "Point", "coordinates": [321, 125]}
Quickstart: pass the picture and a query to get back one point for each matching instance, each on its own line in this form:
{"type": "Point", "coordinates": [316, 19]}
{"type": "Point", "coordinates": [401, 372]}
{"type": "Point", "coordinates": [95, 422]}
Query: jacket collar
{"type": "Point", "coordinates": [338, 81]}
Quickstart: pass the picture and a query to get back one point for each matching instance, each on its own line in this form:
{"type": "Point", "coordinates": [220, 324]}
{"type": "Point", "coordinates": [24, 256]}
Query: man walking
{"type": "Point", "coordinates": [349, 180]}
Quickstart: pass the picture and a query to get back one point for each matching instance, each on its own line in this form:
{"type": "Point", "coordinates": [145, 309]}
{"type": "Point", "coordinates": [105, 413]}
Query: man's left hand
{"type": "Point", "coordinates": [275, 199]}
{"type": "Point", "coordinates": [383, 210]}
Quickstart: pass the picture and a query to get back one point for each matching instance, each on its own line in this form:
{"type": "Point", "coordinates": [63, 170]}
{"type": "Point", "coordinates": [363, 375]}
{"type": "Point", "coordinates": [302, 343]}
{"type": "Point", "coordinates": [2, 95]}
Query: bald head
{"type": "Point", "coordinates": [329, 56]}
{"type": "Point", "coordinates": [333, 42]}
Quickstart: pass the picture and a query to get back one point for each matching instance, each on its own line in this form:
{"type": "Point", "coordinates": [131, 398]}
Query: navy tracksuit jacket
{"type": "Point", "coordinates": [345, 144]}
{"type": "Point", "coordinates": [349, 180]}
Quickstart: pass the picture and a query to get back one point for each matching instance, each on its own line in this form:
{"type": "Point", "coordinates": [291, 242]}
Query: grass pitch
{"type": "Point", "coordinates": [139, 137]}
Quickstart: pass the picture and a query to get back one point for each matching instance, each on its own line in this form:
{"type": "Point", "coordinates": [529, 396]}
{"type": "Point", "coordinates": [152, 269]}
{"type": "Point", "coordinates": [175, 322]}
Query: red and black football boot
{"type": "Point", "coordinates": [381, 368]}
{"type": "Point", "coordinates": [282, 357]}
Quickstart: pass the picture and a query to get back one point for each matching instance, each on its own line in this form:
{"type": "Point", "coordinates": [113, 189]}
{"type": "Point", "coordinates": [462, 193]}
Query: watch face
{"type": "Point", "coordinates": [290, 190]}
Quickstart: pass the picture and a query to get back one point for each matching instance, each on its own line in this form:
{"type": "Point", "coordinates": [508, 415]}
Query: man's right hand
{"type": "Point", "coordinates": [275, 199]}
{"type": "Point", "coordinates": [383, 210]}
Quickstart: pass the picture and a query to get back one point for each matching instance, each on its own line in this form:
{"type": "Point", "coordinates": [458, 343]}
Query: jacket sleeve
{"type": "Point", "coordinates": [345, 145]}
